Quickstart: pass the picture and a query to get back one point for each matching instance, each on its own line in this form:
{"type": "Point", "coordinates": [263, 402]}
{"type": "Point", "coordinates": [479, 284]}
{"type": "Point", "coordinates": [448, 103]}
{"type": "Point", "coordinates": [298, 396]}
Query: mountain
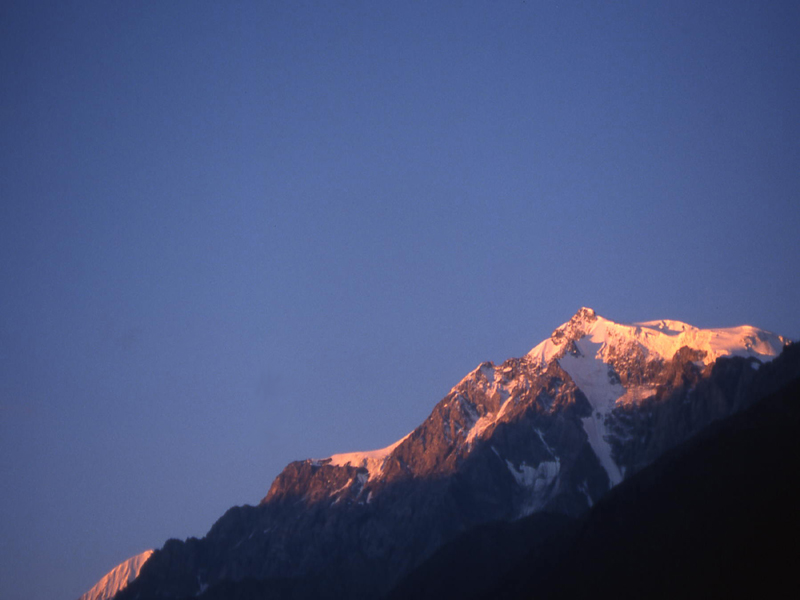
{"type": "Point", "coordinates": [552, 431]}
{"type": "Point", "coordinates": [117, 578]}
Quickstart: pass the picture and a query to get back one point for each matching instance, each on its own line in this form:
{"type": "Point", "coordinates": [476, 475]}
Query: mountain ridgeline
{"type": "Point", "coordinates": [542, 437]}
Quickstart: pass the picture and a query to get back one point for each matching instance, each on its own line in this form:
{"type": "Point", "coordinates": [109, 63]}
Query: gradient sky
{"type": "Point", "coordinates": [234, 235]}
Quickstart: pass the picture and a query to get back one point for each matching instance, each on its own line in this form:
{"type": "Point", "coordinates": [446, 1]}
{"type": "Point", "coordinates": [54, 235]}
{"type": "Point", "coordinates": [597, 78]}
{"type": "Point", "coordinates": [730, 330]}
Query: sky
{"type": "Point", "coordinates": [233, 235]}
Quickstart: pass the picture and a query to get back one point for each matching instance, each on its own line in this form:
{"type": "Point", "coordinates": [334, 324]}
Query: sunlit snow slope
{"type": "Point", "coordinates": [659, 339]}
{"type": "Point", "coordinates": [118, 578]}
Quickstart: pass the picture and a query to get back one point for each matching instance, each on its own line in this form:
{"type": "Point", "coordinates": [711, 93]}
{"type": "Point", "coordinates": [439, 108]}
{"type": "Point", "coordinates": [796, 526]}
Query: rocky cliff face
{"type": "Point", "coordinates": [551, 431]}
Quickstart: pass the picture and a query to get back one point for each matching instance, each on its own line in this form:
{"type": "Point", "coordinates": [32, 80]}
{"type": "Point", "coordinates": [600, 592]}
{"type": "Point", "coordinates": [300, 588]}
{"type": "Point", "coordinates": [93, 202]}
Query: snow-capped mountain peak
{"type": "Point", "coordinates": [656, 340]}
{"type": "Point", "coordinates": [550, 431]}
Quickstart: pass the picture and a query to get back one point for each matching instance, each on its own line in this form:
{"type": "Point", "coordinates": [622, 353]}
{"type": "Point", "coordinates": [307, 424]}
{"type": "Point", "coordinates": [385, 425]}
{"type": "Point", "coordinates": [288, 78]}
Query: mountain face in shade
{"type": "Point", "coordinates": [551, 431]}
{"type": "Point", "coordinates": [118, 578]}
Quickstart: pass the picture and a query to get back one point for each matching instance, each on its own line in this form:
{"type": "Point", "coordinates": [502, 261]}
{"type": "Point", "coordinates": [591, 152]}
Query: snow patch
{"type": "Point", "coordinates": [496, 383]}
{"type": "Point", "coordinates": [584, 488]}
{"type": "Point", "coordinates": [371, 460]}
{"type": "Point", "coordinates": [118, 578]}
{"type": "Point", "coordinates": [637, 394]}
{"type": "Point", "coordinates": [547, 447]}
{"type": "Point", "coordinates": [536, 478]}
{"type": "Point", "coordinates": [544, 352]}
{"type": "Point", "coordinates": [590, 374]}
{"type": "Point", "coordinates": [480, 426]}
{"type": "Point", "coordinates": [343, 488]}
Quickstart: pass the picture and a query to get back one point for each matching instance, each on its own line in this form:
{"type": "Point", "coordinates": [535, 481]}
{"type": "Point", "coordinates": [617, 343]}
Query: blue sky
{"type": "Point", "coordinates": [236, 235]}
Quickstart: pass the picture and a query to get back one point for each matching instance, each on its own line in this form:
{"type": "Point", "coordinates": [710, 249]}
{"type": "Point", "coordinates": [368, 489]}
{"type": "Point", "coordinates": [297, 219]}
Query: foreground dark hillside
{"type": "Point", "coordinates": [477, 561]}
